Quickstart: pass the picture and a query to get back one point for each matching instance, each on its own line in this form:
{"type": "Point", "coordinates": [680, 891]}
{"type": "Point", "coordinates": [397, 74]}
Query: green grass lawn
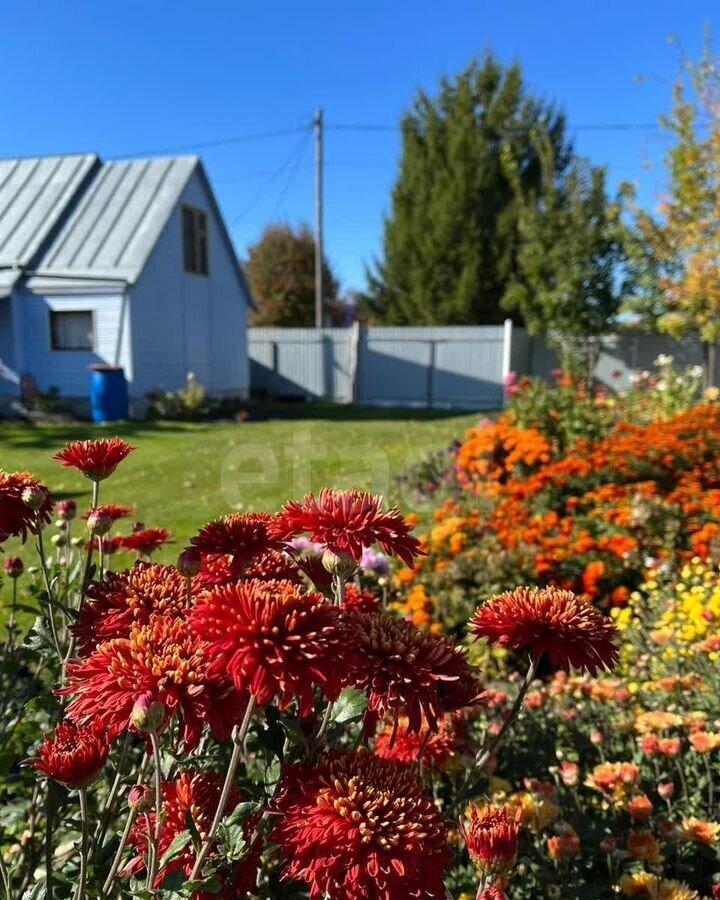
{"type": "Point", "coordinates": [183, 474]}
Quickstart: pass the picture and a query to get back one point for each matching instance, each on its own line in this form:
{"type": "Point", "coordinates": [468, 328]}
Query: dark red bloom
{"type": "Point", "coordinates": [145, 542]}
{"type": "Point", "coordinates": [359, 599]}
{"type": "Point", "coordinates": [347, 522]}
{"type": "Point", "coordinates": [16, 517]}
{"type": "Point", "coordinates": [74, 755]}
{"type": "Point", "coordinates": [271, 566]}
{"type": "Point", "coordinates": [66, 510]}
{"type": "Point", "coordinates": [242, 536]}
{"type": "Point", "coordinates": [396, 742]}
{"type": "Point", "coordinates": [14, 566]}
{"type": "Point", "coordinates": [276, 641]}
{"type": "Point", "coordinates": [123, 599]}
{"type": "Point", "coordinates": [405, 670]}
{"type": "Point", "coordinates": [161, 658]}
{"type": "Point", "coordinates": [491, 836]}
{"type": "Point", "coordinates": [194, 795]}
{"type": "Point", "coordinates": [356, 827]}
{"type": "Point", "coordinates": [113, 510]}
{"type": "Point", "coordinates": [549, 621]}
{"type": "Point", "coordinates": [97, 459]}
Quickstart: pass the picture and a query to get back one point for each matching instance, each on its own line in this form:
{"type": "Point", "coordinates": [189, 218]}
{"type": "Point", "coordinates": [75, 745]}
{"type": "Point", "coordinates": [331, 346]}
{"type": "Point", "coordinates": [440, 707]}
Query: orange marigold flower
{"type": "Point", "coordinates": [705, 741]}
{"type": "Point", "coordinates": [640, 808]}
{"type": "Point", "coordinates": [642, 845]}
{"type": "Point", "coordinates": [97, 459]}
{"type": "Point", "coordinates": [241, 536]}
{"type": "Point", "coordinates": [356, 827]}
{"type": "Point", "coordinates": [491, 836]}
{"type": "Point", "coordinates": [396, 742]}
{"type": "Point", "coordinates": [403, 669]}
{"type": "Point", "coordinates": [699, 832]}
{"type": "Point", "coordinates": [565, 844]}
{"type": "Point", "coordinates": [163, 659]}
{"type": "Point", "coordinates": [548, 621]}
{"type": "Point", "coordinates": [274, 640]}
{"type": "Point", "coordinates": [74, 755]}
{"type": "Point", "coordinates": [347, 522]}
{"type": "Point", "coordinates": [17, 518]}
{"type": "Point", "coordinates": [146, 541]}
{"type": "Point", "coordinates": [193, 795]}
{"type": "Point", "coordinates": [122, 599]}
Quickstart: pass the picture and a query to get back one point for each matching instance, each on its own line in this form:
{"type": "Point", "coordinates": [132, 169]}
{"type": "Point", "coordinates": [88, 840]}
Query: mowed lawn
{"type": "Point", "coordinates": [183, 474]}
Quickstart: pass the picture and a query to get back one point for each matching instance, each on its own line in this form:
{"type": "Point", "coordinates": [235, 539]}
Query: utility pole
{"type": "Point", "coordinates": [319, 310]}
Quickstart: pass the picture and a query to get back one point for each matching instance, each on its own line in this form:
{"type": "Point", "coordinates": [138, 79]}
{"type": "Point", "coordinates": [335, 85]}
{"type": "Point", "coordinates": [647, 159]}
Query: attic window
{"type": "Point", "coordinates": [72, 330]}
{"type": "Point", "coordinates": [195, 252]}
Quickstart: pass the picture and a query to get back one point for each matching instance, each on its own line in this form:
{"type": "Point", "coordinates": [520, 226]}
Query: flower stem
{"type": "Point", "coordinates": [155, 858]}
{"type": "Point", "coordinates": [48, 589]}
{"type": "Point", "coordinates": [129, 822]}
{"type": "Point", "coordinates": [239, 736]}
{"type": "Point", "coordinates": [11, 621]}
{"type": "Point", "coordinates": [91, 543]}
{"type": "Point", "coordinates": [49, 816]}
{"type": "Point", "coordinates": [338, 600]}
{"type": "Point", "coordinates": [104, 820]}
{"type": "Point", "coordinates": [486, 752]}
{"type": "Point", "coordinates": [81, 893]}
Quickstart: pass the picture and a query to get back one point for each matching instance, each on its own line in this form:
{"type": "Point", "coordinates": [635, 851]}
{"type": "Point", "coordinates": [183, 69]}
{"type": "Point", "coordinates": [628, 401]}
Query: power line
{"type": "Point", "coordinates": [291, 174]}
{"type": "Point", "coordinates": [220, 142]}
{"type": "Point", "coordinates": [291, 159]}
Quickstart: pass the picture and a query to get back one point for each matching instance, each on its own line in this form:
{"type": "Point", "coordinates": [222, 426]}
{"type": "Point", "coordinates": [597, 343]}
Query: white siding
{"type": "Point", "coordinates": [189, 323]}
{"type": "Point", "coordinates": [9, 378]}
{"type": "Point", "coordinates": [68, 369]}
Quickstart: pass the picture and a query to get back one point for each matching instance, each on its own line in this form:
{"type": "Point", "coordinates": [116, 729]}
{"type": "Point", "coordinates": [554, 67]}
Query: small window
{"type": "Point", "coordinates": [195, 251]}
{"type": "Point", "coordinates": [72, 330]}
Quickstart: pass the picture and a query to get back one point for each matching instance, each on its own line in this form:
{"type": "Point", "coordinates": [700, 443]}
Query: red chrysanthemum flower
{"type": "Point", "coordinates": [162, 659]}
{"type": "Point", "coordinates": [146, 541]}
{"type": "Point", "coordinates": [271, 566]}
{"type": "Point", "coordinates": [403, 669]}
{"type": "Point", "coordinates": [123, 599]}
{"type": "Point", "coordinates": [74, 755]}
{"type": "Point", "coordinates": [493, 893]}
{"type": "Point", "coordinates": [275, 640]}
{"type": "Point", "coordinates": [437, 748]}
{"type": "Point", "coordinates": [114, 511]}
{"type": "Point", "coordinates": [549, 621]}
{"type": "Point", "coordinates": [242, 536]}
{"type": "Point", "coordinates": [359, 599]}
{"type": "Point", "coordinates": [97, 459]}
{"type": "Point", "coordinates": [16, 517]}
{"type": "Point", "coordinates": [347, 522]}
{"type": "Point", "coordinates": [356, 827]}
{"type": "Point", "coordinates": [111, 544]}
{"type": "Point", "coordinates": [491, 836]}
{"type": "Point", "coordinates": [194, 795]}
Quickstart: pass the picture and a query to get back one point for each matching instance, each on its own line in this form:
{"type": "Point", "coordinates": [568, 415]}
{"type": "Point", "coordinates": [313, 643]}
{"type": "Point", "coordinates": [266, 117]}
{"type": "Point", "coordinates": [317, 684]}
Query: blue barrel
{"type": "Point", "coordinates": [108, 393]}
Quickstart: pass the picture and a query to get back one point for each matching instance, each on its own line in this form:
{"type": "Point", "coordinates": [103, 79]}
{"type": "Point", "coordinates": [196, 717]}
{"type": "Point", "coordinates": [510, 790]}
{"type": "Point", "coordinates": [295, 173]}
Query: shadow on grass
{"type": "Point", "coordinates": [346, 413]}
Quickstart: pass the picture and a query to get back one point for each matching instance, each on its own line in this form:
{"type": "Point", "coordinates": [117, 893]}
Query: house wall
{"type": "Point", "coordinates": [68, 369]}
{"type": "Point", "coordinates": [190, 323]}
{"type": "Point", "coordinates": [9, 379]}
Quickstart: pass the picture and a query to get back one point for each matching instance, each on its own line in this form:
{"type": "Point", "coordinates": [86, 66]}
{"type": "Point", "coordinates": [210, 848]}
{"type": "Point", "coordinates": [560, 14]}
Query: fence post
{"type": "Point", "coordinates": [431, 375]}
{"type": "Point", "coordinates": [506, 354]}
{"type": "Point", "coordinates": [353, 354]}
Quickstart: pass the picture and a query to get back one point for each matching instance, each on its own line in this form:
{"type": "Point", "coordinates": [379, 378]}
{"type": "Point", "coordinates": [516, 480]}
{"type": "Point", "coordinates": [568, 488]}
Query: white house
{"type": "Point", "coordinates": [123, 263]}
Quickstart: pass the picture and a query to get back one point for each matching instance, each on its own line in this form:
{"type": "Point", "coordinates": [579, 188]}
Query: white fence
{"type": "Point", "coordinates": [440, 367]}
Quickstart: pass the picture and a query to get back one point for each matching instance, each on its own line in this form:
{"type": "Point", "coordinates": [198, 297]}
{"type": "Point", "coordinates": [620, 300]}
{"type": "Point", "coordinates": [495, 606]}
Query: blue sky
{"type": "Point", "coordinates": [124, 78]}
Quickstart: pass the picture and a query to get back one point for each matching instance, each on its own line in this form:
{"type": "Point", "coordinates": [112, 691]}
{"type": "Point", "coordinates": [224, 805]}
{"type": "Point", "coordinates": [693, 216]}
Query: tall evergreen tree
{"type": "Point", "coordinates": [280, 269]}
{"type": "Point", "coordinates": [567, 284]}
{"type": "Point", "coordinates": [451, 237]}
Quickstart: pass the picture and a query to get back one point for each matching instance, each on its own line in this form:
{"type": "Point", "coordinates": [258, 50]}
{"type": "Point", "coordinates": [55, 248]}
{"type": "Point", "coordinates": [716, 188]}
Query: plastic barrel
{"type": "Point", "coordinates": [108, 394]}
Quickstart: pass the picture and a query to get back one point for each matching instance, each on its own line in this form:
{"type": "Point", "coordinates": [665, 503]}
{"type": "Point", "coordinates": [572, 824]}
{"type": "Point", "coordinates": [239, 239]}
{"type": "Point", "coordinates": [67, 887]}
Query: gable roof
{"type": "Point", "coordinates": [34, 195]}
{"type": "Point", "coordinates": [76, 219]}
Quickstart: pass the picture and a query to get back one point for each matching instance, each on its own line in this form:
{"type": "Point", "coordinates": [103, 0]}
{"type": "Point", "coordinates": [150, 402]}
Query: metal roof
{"type": "Point", "coordinates": [116, 222]}
{"type": "Point", "coordinates": [77, 218]}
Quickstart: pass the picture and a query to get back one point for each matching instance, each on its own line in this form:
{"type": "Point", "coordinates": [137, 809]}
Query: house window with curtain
{"type": "Point", "coordinates": [195, 233]}
{"type": "Point", "coordinates": [72, 330]}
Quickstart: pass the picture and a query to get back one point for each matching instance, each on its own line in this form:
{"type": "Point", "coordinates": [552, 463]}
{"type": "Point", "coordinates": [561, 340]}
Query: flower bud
{"type": "Point", "coordinates": [608, 844]}
{"type": "Point", "coordinates": [61, 524]}
{"type": "Point", "coordinates": [58, 540]}
{"type": "Point", "coordinates": [66, 510]}
{"type": "Point", "coordinates": [666, 789]}
{"type": "Point", "coordinates": [189, 562]}
{"type": "Point", "coordinates": [597, 738]}
{"type": "Point", "coordinates": [141, 798]}
{"type": "Point", "coordinates": [148, 714]}
{"type": "Point", "coordinates": [338, 563]}
{"type": "Point", "coordinates": [99, 523]}
{"type": "Point", "coordinates": [14, 567]}
{"type": "Point", "coordinates": [34, 497]}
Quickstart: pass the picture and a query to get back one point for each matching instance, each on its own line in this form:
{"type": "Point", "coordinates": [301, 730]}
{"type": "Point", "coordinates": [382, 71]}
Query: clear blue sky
{"type": "Point", "coordinates": [122, 78]}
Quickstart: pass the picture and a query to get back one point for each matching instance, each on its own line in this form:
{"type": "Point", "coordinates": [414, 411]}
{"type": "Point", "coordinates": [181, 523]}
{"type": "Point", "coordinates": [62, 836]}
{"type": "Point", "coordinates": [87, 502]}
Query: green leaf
{"type": "Point", "coordinates": [36, 892]}
{"type": "Point", "coordinates": [194, 833]}
{"type": "Point", "coordinates": [178, 844]}
{"type": "Point", "coordinates": [349, 706]}
{"type": "Point", "coordinates": [272, 776]}
{"type": "Point", "coordinates": [39, 637]}
{"type": "Point", "coordinates": [241, 812]}
{"type": "Point", "coordinates": [232, 840]}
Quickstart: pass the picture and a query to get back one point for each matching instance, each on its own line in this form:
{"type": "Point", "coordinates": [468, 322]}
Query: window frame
{"type": "Point", "coordinates": [53, 335]}
{"type": "Point", "coordinates": [199, 240]}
